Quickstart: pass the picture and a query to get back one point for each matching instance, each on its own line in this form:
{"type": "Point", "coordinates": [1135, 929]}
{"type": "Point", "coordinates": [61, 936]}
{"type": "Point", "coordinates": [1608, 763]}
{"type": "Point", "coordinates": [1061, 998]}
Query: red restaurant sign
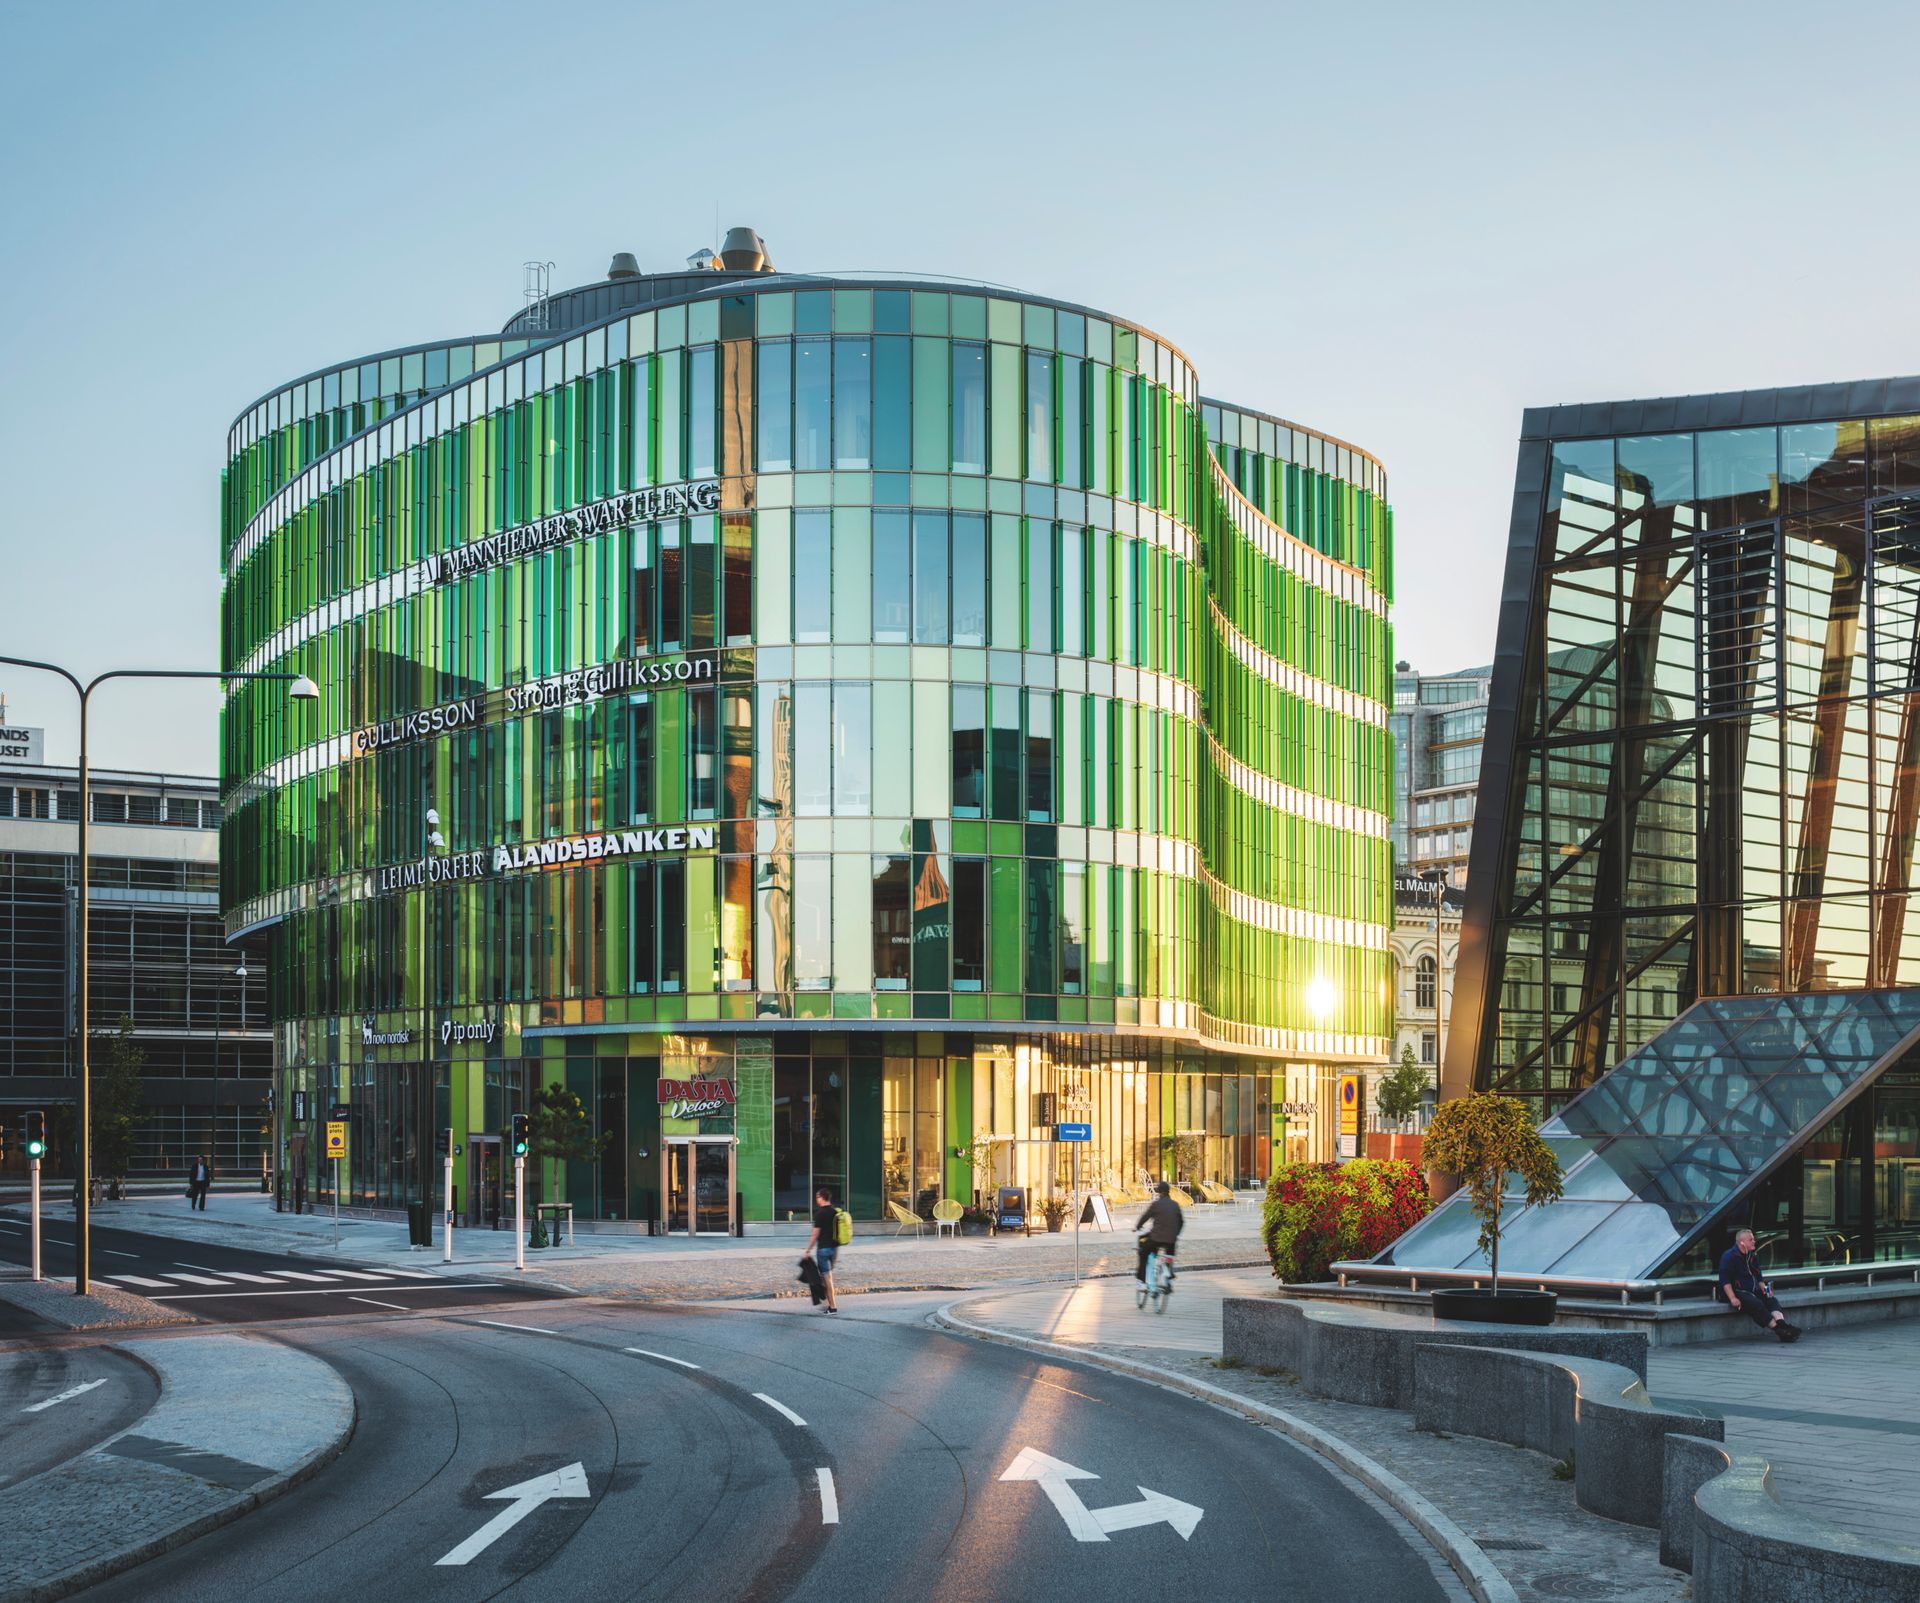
{"type": "Point", "coordinates": [695, 1099]}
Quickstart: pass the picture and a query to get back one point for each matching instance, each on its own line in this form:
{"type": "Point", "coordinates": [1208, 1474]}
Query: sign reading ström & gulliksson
{"type": "Point", "coordinates": [485, 863]}
{"type": "Point", "coordinates": [639, 506]}
{"type": "Point", "coordinates": [576, 687]}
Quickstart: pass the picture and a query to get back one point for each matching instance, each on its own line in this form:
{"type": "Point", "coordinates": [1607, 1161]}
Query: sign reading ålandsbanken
{"type": "Point", "coordinates": [482, 864]}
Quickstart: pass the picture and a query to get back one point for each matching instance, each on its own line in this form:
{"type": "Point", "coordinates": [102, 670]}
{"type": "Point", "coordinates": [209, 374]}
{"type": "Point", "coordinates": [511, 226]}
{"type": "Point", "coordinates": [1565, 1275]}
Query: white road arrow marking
{"type": "Point", "coordinates": [522, 1501]}
{"type": "Point", "coordinates": [1084, 1524]}
{"type": "Point", "coordinates": [70, 1392]}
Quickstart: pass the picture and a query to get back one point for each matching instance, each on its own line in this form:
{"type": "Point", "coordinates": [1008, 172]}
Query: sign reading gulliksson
{"type": "Point", "coordinates": [485, 864]}
{"type": "Point", "coordinates": [641, 506]}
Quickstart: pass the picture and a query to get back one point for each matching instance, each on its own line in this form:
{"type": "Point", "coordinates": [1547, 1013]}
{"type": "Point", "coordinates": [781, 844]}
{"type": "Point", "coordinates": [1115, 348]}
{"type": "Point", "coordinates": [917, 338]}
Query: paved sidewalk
{"type": "Point", "coordinates": [238, 1421]}
{"type": "Point", "coordinates": [677, 1268]}
{"type": "Point", "coordinates": [103, 1306]}
{"type": "Point", "coordinates": [1505, 1498]}
{"type": "Point", "coordinates": [1837, 1415]}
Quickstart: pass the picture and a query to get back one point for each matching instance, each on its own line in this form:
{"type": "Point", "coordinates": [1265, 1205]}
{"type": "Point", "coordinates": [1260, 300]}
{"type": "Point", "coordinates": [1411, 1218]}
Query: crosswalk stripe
{"type": "Point", "coordinates": [413, 1274]}
{"type": "Point", "coordinates": [197, 1280]}
{"type": "Point", "coordinates": [133, 1280]}
{"type": "Point", "coordinates": [297, 1274]}
{"type": "Point", "coordinates": [258, 1280]}
{"type": "Point", "coordinates": [356, 1274]}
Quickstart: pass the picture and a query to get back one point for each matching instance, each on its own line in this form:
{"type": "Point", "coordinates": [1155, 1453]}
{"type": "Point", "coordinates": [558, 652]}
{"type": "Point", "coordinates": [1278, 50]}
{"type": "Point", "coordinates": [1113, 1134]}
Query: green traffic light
{"type": "Point", "coordinates": [36, 1149]}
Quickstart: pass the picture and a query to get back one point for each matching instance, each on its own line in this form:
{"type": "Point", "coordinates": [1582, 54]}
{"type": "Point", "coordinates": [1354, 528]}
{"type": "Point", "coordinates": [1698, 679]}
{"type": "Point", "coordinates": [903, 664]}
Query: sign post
{"type": "Point", "coordinates": [1076, 1135]}
{"type": "Point", "coordinates": [519, 1215]}
{"type": "Point", "coordinates": [336, 1150]}
{"type": "Point", "coordinates": [447, 1255]}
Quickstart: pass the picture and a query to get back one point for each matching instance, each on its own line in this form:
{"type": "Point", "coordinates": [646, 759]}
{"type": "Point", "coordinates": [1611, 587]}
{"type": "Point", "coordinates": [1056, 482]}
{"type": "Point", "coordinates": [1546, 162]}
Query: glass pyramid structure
{"type": "Point", "coordinates": [1660, 1151]}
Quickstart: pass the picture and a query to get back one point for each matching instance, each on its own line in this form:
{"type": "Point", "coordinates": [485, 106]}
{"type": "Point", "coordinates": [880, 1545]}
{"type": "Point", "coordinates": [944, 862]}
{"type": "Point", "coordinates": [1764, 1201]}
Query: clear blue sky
{"type": "Point", "coordinates": [1400, 223]}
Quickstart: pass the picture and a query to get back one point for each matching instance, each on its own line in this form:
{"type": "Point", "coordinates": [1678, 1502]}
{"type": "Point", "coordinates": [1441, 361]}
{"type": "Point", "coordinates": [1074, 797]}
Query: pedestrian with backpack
{"type": "Point", "coordinates": [832, 1230]}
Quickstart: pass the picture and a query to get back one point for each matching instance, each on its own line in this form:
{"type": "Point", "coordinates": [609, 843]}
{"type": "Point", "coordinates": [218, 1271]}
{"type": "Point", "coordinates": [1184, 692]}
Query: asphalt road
{"type": "Point", "coordinates": [754, 1457]}
{"type": "Point", "coordinates": [232, 1285]}
{"type": "Point", "coordinates": [56, 1403]}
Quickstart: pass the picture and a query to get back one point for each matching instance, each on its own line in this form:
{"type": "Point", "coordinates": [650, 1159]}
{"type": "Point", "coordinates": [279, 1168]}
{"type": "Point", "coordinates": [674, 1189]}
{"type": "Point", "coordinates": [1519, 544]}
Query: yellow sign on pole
{"type": "Point", "coordinates": [336, 1138]}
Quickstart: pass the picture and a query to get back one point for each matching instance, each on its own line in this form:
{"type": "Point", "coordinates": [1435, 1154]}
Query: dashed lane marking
{"type": "Point", "coordinates": [829, 1503]}
{"type": "Point", "coordinates": [780, 1408]}
{"type": "Point", "coordinates": [665, 1358]}
{"type": "Point", "coordinates": [68, 1394]}
{"type": "Point", "coordinates": [503, 1325]}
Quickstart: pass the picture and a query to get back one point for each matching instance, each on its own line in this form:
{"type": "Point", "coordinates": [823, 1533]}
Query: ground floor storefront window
{"type": "Point", "coordinates": [885, 1120]}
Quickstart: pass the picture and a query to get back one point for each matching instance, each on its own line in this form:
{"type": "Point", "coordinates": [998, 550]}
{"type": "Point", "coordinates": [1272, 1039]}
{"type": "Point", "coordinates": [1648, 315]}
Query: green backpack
{"type": "Point", "coordinates": [842, 1227]}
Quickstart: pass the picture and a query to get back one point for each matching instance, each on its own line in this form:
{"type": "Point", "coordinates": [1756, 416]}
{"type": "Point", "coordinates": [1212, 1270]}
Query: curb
{"type": "Point", "coordinates": [110, 1561]}
{"type": "Point", "coordinates": [1463, 1555]}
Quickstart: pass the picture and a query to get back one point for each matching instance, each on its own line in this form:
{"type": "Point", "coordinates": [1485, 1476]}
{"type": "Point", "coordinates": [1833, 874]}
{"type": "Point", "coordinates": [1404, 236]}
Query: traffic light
{"type": "Point", "coordinates": [519, 1135]}
{"type": "Point", "coordinates": [444, 1142]}
{"type": "Point", "coordinates": [36, 1128]}
{"type": "Point", "coordinates": [6, 1143]}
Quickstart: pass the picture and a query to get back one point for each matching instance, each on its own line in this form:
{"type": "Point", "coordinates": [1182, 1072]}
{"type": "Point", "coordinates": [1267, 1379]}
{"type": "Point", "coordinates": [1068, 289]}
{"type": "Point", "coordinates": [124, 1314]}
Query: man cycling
{"type": "Point", "coordinates": [1160, 1226]}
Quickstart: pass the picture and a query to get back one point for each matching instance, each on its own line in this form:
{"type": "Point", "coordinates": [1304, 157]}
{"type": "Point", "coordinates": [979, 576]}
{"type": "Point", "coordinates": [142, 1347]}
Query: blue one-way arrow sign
{"type": "Point", "coordinates": [1073, 1132]}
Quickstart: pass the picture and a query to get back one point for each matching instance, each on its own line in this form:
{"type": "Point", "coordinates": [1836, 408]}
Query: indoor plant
{"type": "Point", "coordinates": [1483, 1139]}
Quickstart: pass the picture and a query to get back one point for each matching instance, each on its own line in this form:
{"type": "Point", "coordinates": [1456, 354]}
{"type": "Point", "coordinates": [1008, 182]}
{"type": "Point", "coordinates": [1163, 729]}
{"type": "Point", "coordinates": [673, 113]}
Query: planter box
{"type": "Point", "coordinates": [1496, 1308]}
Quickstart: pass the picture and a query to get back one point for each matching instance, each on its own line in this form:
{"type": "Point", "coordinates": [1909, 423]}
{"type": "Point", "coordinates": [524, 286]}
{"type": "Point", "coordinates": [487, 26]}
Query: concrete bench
{"type": "Point", "coordinates": [1595, 1415]}
{"type": "Point", "coordinates": [1722, 1522]}
{"type": "Point", "coordinates": [1365, 1355]}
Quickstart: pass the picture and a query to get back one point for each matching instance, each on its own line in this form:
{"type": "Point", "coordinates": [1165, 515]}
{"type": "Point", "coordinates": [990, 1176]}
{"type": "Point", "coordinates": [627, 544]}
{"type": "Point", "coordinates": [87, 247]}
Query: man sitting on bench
{"type": "Point", "coordinates": [1741, 1285]}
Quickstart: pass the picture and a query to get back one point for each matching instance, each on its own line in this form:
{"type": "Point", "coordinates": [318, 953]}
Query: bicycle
{"type": "Point", "coordinates": [1157, 1288]}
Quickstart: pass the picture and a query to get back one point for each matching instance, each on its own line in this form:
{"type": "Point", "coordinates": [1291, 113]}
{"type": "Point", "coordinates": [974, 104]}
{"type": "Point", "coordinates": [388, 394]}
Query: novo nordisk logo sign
{"type": "Point", "coordinates": [641, 506]}
{"type": "Point", "coordinates": [484, 864]}
{"type": "Point", "coordinates": [369, 1036]}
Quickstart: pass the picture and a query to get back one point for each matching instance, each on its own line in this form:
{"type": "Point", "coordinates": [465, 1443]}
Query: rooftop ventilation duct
{"type": "Point", "coordinates": [744, 251]}
{"type": "Point", "coordinates": [625, 265]}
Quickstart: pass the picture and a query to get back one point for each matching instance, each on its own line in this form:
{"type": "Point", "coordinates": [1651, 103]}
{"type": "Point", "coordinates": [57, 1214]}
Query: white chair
{"type": "Point", "coordinates": [946, 1217]}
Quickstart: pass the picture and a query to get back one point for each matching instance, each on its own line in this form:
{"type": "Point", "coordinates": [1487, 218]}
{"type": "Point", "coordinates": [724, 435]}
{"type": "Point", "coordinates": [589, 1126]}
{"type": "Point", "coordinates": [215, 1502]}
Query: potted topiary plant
{"type": "Point", "coordinates": [1055, 1209]}
{"type": "Point", "coordinates": [1483, 1139]}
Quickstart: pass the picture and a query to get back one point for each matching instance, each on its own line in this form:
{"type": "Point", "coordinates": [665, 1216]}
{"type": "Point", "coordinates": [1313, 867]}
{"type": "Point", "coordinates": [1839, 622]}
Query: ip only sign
{"type": "Point", "coordinates": [1073, 1132]}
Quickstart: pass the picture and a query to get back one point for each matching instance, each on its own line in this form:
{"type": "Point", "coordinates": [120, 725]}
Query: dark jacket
{"type": "Point", "coordinates": [811, 1278]}
{"type": "Point", "coordinates": [1162, 1221]}
{"type": "Point", "coordinates": [1741, 1270]}
{"type": "Point", "coordinates": [194, 1177]}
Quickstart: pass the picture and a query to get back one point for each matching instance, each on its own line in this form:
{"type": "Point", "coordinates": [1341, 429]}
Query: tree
{"type": "Point", "coordinates": [118, 1064]}
{"type": "Point", "coordinates": [1403, 1089]}
{"type": "Point", "coordinates": [1182, 1155]}
{"type": "Point", "coordinates": [559, 1129]}
{"type": "Point", "coordinates": [1483, 1139]}
{"type": "Point", "coordinates": [979, 1155]}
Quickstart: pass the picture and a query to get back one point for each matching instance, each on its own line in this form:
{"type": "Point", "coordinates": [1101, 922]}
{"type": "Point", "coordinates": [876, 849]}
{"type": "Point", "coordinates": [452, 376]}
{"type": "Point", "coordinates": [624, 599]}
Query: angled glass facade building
{"type": "Point", "coordinates": [1701, 785]}
{"type": "Point", "coordinates": [876, 705]}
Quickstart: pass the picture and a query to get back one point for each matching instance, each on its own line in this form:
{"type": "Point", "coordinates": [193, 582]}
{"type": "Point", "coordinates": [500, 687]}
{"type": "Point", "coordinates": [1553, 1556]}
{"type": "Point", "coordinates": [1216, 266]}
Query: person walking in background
{"type": "Point", "coordinates": [832, 1230]}
{"type": "Point", "coordinates": [1747, 1293]}
{"type": "Point", "coordinates": [199, 1182]}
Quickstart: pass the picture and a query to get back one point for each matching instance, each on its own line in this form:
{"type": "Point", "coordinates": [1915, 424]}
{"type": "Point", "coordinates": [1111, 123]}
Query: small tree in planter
{"type": "Point", "coordinates": [1483, 1139]}
{"type": "Point", "coordinates": [1402, 1091]}
{"type": "Point", "coordinates": [560, 1130]}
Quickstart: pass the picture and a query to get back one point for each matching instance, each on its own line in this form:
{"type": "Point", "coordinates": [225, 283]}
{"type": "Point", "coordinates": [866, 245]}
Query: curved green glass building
{"type": "Point", "coordinates": [843, 730]}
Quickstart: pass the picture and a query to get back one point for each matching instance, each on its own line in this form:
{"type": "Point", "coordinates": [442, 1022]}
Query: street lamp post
{"type": "Point", "coordinates": [1437, 878]}
{"type": "Point", "coordinates": [300, 688]}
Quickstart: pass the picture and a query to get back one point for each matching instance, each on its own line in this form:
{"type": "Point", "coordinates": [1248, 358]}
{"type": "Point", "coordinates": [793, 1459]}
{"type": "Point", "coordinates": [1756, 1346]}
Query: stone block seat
{"type": "Point", "coordinates": [1365, 1354]}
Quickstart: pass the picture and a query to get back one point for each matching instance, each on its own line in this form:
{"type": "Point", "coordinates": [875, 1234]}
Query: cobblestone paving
{"type": "Point", "coordinates": [677, 1269]}
{"type": "Point", "coordinates": [103, 1307]}
{"type": "Point", "coordinates": [251, 1413]}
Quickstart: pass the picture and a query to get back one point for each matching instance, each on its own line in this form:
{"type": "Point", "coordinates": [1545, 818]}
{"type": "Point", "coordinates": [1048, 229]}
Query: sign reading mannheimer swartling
{"type": "Point", "coordinates": [578, 686]}
{"type": "Point", "coordinates": [485, 863]}
{"type": "Point", "coordinates": [638, 506]}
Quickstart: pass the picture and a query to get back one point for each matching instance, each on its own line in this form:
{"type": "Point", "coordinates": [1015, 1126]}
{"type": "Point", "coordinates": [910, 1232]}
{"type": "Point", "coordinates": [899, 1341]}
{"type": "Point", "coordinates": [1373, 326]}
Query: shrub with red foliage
{"type": "Point", "coordinates": [1317, 1214]}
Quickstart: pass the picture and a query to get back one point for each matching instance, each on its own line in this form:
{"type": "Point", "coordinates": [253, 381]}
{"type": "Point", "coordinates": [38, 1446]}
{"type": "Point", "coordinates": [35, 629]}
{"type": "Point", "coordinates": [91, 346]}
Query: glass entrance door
{"type": "Point", "coordinates": [484, 1190]}
{"type": "Point", "coordinates": [698, 1186]}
